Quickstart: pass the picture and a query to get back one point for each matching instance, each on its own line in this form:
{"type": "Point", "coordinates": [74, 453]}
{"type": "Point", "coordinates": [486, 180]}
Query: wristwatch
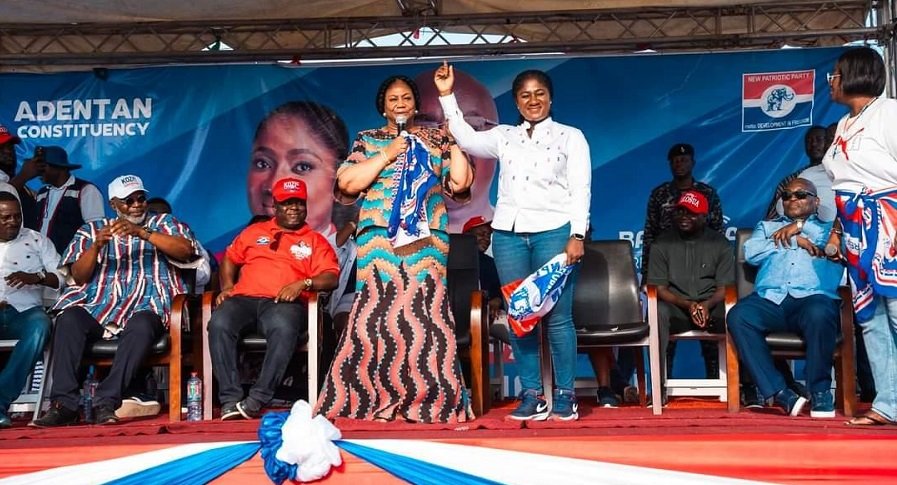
{"type": "Point", "coordinates": [800, 225]}
{"type": "Point", "coordinates": [308, 283]}
{"type": "Point", "coordinates": [578, 237]}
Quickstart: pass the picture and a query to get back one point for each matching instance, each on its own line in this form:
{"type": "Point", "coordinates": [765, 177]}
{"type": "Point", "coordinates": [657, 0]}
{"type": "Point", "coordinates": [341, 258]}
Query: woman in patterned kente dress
{"type": "Point", "coordinates": [397, 359]}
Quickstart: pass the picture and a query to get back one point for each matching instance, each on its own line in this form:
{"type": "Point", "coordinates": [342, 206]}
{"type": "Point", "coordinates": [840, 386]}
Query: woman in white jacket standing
{"type": "Point", "coordinates": [544, 193]}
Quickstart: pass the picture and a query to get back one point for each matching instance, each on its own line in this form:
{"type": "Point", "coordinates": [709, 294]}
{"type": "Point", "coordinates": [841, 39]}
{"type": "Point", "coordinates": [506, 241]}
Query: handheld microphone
{"type": "Point", "coordinates": [402, 125]}
{"type": "Point", "coordinates": [831, 250]}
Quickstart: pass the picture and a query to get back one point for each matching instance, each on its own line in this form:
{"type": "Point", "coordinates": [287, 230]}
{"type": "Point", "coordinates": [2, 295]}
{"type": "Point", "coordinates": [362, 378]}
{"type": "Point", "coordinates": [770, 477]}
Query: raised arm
{"type": "Point", "coordinates": [483, 144]}
{"type": "Point", "coordinates": [460, 171]}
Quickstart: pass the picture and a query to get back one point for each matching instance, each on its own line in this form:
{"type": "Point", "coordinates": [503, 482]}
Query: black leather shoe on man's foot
{"type": "Point", "coordinates": [57, 415]}
{"type": "Point", "coordinates": [752, 397]}
{"type": "Point", "coordinates": [5, 422]}
{"type": "Point", "coordinates": [249, 408]}
{"type": "Point", "coordinates": [229, 411]}
{"type": "Point", "coordinates": [104, 415]}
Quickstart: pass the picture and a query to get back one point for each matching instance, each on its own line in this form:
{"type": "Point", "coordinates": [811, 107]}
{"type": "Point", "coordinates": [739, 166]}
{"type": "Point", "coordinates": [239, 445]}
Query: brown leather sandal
{"type": "Point", "coordinates": [870, 418]}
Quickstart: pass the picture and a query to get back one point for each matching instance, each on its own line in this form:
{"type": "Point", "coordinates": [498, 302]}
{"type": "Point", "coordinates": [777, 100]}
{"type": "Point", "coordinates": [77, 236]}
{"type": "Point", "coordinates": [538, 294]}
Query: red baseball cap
{"type": "Point", "coordinates": [474, 222]}
{"type": "Point", "coordinates": [289, 188]}
{"type": "Point", "coordinates": [694, 201]}
{"type": "Point", "coordinates": [6, 137]}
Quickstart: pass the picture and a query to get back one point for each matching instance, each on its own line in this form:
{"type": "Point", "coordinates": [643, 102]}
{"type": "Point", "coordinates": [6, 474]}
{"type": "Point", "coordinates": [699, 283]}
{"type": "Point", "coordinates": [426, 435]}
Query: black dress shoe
{"type": "Point", "coordinates": [229, 411]}
{"type": "Point", "coordinates": [752, 397]}
{"type": "Point", "coordinates": [104, 415]}
{"type": "Point", "coordinates": [249, 408]}
{"type": "Point", "coordinates": [57, 415]}
{"type": "Point", "coordinates": [5, 422]}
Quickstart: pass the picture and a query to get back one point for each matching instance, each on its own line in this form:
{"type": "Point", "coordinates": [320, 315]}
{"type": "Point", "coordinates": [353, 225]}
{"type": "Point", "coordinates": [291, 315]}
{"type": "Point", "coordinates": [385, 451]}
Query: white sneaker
{"type": "Point", "coordinates": [135, 407]}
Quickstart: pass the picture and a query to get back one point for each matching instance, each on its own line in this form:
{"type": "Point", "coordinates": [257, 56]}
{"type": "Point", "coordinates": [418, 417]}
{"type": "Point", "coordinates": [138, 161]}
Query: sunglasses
{"type": "Point", "coordinates": [134, 199]}
{"type": "Point", "coordinates": [831, 77]}
{"type": "Point", "coordinates": [798, 194]}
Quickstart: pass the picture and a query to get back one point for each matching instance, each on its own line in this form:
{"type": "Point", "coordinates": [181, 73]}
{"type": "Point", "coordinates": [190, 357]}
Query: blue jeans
{"type": "Point", "coordinates": [880, 336]}
{"type": "Point", "coordinates": [815, 317]}
{"type": "Point", "coordinates": [31, 328]}
{"type": "Point", "coordinates": [517, 255]}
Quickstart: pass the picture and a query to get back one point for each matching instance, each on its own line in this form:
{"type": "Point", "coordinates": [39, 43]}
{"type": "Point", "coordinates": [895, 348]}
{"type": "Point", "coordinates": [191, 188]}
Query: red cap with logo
{"type": "Point", "coordinates": [474, 222]}
{"type": "Point", "coordinates": [694, 201]}
{"type": "Point", "coordinates": [6, 136]}
{"type": "Point", "coordinates": [289, 188]}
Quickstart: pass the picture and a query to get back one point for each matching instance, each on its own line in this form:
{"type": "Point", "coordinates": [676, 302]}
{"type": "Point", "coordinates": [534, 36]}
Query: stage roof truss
{"type": "Point", "coordinates": [766, 25]}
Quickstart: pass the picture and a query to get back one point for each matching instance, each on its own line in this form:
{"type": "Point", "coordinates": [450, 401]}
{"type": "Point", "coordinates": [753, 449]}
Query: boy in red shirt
{"type": "Point", "coordinates": [277, 261]}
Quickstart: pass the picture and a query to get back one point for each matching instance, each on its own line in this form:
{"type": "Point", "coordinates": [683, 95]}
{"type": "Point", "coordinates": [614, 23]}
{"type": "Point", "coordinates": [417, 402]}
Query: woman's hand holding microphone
{"type": "Point", "coordinates": [392, 151]}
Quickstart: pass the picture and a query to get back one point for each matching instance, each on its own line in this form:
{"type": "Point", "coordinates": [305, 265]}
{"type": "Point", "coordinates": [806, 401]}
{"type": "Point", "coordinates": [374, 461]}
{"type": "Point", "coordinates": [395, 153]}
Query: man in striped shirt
{"type": "Point", "coordinates": [125, 277]}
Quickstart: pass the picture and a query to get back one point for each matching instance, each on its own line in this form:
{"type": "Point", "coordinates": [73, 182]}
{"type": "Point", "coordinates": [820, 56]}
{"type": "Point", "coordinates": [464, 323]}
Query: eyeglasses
{"type": "Point", "coordinates": [134, 199]}
{"type": "Point", "coordinates": [831, 77]}
{"type": "Point", "coordinates": [798, 194]}
{"type": "Point", "coordinates": [478, 123]}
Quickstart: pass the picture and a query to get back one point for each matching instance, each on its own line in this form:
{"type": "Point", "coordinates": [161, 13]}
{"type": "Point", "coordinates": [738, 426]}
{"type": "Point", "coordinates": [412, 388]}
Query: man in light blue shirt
{"type": "Point", "coordinates": [795, 291]}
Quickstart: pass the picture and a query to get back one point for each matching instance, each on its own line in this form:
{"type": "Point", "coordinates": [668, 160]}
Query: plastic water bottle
{"type": "Point", "coordinates": [194, 398]}
{"type": "Point", "coordinates": [87, 394]}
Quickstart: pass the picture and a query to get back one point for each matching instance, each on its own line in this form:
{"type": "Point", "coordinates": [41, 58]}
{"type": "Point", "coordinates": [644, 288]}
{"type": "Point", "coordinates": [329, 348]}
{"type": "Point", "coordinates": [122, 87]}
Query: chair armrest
{"type": "Point", "coordinates": [315, 340]}
{"type": "Point", "coordinates": [731, 297]}
{"type": "Point", "coordinates": [179, 319]}
{"type": "Point", "coordinates": [479, 321]}
{"type": "Point", "coordinates": [845, 369]}
{"type": "Point", "coordinates": [651, 293]}
{"type": "Point", "coordinates": [655, 359]}
{"type": "Point", "coordinates": [208, 304]}
{"type": "Point", "coordinates": [847, 335]}
{"type": "Point", "coordinates": [479, 351]}
{"type": "Point", "coordinates": [315, 317]}
{"type": "Point", "coordinates": [478, 310]}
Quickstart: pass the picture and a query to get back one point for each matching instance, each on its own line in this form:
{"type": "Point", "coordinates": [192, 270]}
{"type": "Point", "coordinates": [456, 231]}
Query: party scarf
{"type": "Point", "coordinates": [413, 179]}
{"type": "Point", "coordinates": [869, 220]}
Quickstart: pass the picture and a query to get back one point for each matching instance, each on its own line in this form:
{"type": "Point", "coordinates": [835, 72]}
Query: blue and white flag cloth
{"type": "Point", "coordinates": [414, 178]}
{"type": "Point", "coordinates": [535, 296]}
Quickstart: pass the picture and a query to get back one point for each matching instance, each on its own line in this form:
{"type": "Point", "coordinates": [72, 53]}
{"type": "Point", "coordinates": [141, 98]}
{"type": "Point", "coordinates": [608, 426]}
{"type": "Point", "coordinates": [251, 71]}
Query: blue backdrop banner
{"type": "Point", "coordinates": [192, 132]}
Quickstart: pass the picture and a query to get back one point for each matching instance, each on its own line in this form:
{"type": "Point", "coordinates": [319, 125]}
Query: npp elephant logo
{"type": "Point", "coordinates": [777, 100]}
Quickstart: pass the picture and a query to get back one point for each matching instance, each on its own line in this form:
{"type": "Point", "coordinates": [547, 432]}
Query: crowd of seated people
{"type": "Point", "coordinates": [116, 278]}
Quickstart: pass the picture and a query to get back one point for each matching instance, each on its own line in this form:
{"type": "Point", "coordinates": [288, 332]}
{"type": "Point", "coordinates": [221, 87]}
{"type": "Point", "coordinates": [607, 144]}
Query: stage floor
{"type": "Point", "coordinates": [692, 435]}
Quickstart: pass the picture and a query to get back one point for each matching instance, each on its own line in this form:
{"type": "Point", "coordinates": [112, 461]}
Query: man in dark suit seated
{"type": "Point", "coordinates": [277, 259]}
{"type": "Point", "coordinates": [691, 265]}
{"type": "Point", "coordinates": [795, 291]}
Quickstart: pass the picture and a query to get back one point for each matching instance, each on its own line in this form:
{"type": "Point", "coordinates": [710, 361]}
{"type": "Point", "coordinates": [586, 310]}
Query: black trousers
{"type": "Point", "coordinates": [673, 319]}
{"type": "Point", "coordinates": [75, 329]}
{"type": "Point", "coordinates": [280, 323]}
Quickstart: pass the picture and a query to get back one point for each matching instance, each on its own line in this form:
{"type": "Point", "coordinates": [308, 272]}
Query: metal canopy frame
{"type": "Point", "coordinates": [750, 26]}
